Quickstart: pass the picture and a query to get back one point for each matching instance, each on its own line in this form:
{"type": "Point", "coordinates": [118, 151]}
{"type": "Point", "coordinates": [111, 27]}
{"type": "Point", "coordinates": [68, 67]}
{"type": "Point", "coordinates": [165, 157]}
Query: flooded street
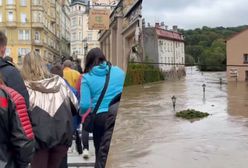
{"type": "Point", "coordinates": [148, 135]}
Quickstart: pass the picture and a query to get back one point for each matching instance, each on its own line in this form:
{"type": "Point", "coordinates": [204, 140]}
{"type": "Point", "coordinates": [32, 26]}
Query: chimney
{"type": "Point", "coordinates": [148, 24]}
{"type": "Point", "coordinates": [166, 27]}
{"type": "Point", "coordinates": [157, 25]}
{"type": "Point", "coordinates": [175, 28]}
{"type": "Point", "coordinates": [162, 25]}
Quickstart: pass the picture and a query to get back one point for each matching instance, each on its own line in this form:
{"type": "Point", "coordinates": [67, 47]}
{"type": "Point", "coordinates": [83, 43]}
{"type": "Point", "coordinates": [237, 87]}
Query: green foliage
{"type": "Point", "coordinates": [207, 46]}
{"type": "Point", "coordinates": [191, 114]}
{"type": "Point", "coordinates": [139, 74]}
{"type": "Point", "coordinates": [189, 60]}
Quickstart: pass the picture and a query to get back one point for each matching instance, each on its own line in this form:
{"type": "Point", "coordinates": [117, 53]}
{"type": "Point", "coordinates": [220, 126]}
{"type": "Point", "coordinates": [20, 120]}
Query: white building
{"type": "Point", "coordinates": [82, 39]}
{"type": "Point", "coordinates": [165, 47]}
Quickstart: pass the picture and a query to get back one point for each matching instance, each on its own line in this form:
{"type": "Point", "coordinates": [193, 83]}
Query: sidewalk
{"type": "Point", "coordinates": [77, 161]}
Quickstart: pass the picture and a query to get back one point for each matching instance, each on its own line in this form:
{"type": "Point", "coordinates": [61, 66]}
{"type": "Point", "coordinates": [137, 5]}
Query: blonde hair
{"type": "Point", "coordinates": [34, 68]}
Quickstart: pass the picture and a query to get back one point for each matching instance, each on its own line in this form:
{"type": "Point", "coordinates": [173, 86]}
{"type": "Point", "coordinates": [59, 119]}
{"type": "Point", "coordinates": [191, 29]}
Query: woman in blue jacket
{"type": "Point", "coordinates": [96, 69]}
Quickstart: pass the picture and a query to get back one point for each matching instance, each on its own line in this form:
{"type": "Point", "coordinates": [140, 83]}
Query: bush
{"type": "Point", "coordinates": [139, 74]}
{"type": "Point", "coordinates": [191, 114]}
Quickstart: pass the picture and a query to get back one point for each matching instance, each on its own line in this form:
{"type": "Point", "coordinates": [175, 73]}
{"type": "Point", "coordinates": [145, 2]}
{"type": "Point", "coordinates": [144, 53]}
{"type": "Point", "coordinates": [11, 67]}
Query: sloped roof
{"type": "Point", "coordinates": [167, 34]}
{"type": "Point", "coordinates": [236, 34]}
{"type": "Point", "coordinates": [73, 2]}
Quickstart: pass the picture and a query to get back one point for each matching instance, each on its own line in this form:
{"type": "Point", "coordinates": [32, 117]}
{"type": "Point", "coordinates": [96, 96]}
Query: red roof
{"type": "Point", "coordinates": [169, 34]}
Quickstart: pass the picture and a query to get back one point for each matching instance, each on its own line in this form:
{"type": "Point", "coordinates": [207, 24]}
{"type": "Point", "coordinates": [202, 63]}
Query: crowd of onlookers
{"type": "Point", "coordinates": [43, 107]}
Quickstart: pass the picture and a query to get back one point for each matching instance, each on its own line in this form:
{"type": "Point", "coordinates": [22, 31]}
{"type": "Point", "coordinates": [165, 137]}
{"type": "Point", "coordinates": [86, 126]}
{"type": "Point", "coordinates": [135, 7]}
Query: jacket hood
{"type": "Point", "coordinates": [3, 62]}
{"type": "Point", "coordinates": [100, 70]}
{"type": "Point", "coordinates": [49, 85]}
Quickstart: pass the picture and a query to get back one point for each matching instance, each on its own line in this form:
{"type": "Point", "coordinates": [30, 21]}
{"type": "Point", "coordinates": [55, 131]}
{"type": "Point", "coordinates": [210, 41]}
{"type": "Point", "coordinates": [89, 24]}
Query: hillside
{"type": "Point", "coordinates": [206, 46]}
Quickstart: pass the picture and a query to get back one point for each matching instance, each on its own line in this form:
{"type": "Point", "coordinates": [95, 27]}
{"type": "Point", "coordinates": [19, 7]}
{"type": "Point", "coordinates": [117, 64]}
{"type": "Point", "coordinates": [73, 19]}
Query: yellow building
{"type": "Point", "coordinates": [15, 21]}
{"type": "Point", "coordinates": [33, 25]}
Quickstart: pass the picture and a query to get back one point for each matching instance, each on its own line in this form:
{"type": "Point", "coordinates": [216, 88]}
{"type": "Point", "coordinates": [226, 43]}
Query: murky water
{"type": "Point", "coordinates": [148, 135]}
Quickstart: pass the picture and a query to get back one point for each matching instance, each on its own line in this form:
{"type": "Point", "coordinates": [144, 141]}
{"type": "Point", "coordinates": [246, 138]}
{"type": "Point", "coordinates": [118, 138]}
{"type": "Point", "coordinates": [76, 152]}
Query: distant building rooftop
{"type": "Point", "coordinates": [73, 2]}
{"type": "Point", "coordinates": [168, 34]}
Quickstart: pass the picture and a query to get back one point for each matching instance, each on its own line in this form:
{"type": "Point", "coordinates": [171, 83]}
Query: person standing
{"type": "Point", "coordinates": [11, 76]}
{"type": "Point", "coordinates": [52, 105]}
{"type": "Point", "coordinates": [17, 138]}
{"type": "Point", "coordinates": [93, 82]}
{"type": "Point", "coordinates": [71, 76]}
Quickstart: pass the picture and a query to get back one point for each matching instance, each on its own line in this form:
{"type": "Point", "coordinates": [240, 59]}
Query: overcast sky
{"type": "Point", "coordinates": [189, 14]}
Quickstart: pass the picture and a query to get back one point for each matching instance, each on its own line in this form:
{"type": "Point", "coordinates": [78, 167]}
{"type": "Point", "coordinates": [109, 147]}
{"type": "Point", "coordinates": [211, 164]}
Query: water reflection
{"type": "Point", "coordinates": [148, 135]}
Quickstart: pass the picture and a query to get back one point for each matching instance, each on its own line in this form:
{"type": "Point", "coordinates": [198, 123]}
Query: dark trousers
{"type": "Point", "coordinates": [102, 133]}
{"type": "Point", "coordinates": [85, 139]}
{"type": "Point", "coordinates": [49, 158]}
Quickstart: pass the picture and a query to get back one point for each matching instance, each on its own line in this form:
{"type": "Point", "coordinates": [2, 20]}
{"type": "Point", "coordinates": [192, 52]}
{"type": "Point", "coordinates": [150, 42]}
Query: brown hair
{"type": "Point", "coordinates": [3, 39]}
{"type": "Point", "coordinates": [57, 69]}
{"type": "Point", "coordinates": [94, 57]}
{"type": "Point", "coordinates": [34, 68]}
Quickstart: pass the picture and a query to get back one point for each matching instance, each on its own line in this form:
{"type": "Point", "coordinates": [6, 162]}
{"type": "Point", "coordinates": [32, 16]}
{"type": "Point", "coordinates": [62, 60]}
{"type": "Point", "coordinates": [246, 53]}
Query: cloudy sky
{"type": "Point", "coordinates": [189, 14]}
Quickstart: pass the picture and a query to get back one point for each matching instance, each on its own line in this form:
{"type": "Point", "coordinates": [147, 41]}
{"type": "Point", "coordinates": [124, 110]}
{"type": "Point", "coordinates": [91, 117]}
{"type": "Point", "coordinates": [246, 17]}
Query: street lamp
{"type": "Point", "coordinates": [221, 81]}
{"type": "Point", "coordinates": [85, 46]}
{"type": "Point", "coordinates": [204, 88]}
{"type": "Point", "coordinates": [173, 98]}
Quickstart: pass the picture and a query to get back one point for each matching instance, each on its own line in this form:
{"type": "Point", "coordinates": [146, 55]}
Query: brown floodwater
{"type": "Point", "coordinates": [148, 135]}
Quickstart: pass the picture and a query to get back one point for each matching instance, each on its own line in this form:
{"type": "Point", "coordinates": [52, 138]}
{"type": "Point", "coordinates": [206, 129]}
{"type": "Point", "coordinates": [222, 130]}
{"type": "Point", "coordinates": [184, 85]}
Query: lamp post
{"type": "Point", "coordinates": [85, 46]}
{"type": "Point", "coordinates": [173, 98]}
{"type": "Point", "coordinates": [221, 81]}
{"type": "Point", "coordinates": [204, 88]}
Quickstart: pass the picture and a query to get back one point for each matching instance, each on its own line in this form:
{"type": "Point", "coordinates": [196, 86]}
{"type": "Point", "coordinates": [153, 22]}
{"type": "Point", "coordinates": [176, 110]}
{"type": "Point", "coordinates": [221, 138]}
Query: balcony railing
{"type": "Point", "coordinates": [11, 24]}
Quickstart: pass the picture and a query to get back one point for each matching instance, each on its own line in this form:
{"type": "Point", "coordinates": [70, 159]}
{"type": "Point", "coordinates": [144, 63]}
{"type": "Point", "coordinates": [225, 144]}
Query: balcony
{"type": "Point", "coordinates": [11, 6]}
{"type": "Point", "coordinates": [37, 25]}
{"type": "Point", "coordinates": [37, 42]}
{"type": "Point", "coordinates": [11, 24]}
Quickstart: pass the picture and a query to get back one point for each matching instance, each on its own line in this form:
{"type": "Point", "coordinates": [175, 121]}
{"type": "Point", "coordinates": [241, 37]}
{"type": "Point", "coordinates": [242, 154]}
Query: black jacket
{"type": "Point", "coordinates": [52, 105]}
{"type": "Point", "coordinates": [16, 135]}
{"type": "Point", "coordinates": [12, 78]}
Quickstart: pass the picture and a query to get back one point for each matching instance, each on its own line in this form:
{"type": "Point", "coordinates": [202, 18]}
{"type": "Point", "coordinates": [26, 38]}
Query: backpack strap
{"type": "Point", "coordinates": [103, 91]}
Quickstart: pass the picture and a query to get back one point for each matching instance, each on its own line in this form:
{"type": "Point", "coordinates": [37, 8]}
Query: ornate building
{"type": "Point", "coordinates": [82, 39]}
{"type": "Point", "coordinates": [34, 25]}
{"type": "Point", "coordinates": [123, 39]}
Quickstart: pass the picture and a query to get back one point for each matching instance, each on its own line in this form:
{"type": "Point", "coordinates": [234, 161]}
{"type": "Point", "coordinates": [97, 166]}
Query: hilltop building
{"type": "Point", "coordinates": [165, 47]}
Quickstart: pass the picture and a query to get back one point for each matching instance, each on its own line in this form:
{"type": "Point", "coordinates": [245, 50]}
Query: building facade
{"type": "Point", "coordinates": [165, 47]}
{"type": "Point", "coordinates": [237, 57]}
{"type": "Point", "coordinates": [82, 39]}
{"type": "Point", "coordinates": [123, 39]}
{"type": "Point", "coordinates": [33, 25]}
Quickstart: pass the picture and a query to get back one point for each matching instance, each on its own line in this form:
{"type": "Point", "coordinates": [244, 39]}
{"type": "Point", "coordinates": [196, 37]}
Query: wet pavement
{"type": "Point", "coordinates": [77, 161]}
{"type": "Point", "coordinates": [148, 135]}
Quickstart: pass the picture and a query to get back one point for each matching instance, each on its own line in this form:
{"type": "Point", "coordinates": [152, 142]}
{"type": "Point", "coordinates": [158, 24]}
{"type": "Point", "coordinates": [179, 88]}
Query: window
{"type": "Point", "coordinates": [80, 36]}
{"type": "Point", "coordinates": [1, 2]}
{"type": "Point", "coordinates": [37, 36]}
{"type": "Point", "coordinates": [10, 2]}
{"type": "Point", "coordinates": [23, 18]}
{"type": "Point", "coordinates": [10, 16]}
{"type": "Point", "coordinates": [23, 2]}
{"type": "Point", "coordinates": [8, 52]}
{"type": "Point", "coordinates": [1, 17]}
{"type": "Point", "coordinates": [37, 50]}
{"type": "Point", "coordinates": [23, 35]}
{"type": "Point", "coordinates": [245, 58]}
{"type": "Point", "coordinates": [22, 52]}
{"type": "Point", "coordinates": [79, 22]}
{"type": "Point", "coordinates": [74, 35]}
{"type": "Point", "coordinates": [90, 36]}
{"type": "Point", "coordinates": [74, 21]}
